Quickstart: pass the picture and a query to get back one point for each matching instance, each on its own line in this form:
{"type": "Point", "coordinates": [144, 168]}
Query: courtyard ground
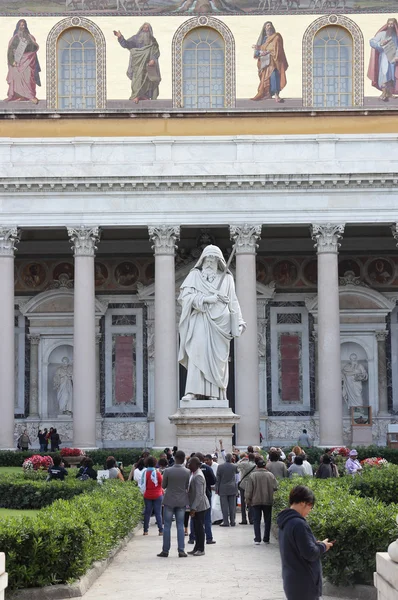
{"type": "Point", "coordinates": [233, 568]}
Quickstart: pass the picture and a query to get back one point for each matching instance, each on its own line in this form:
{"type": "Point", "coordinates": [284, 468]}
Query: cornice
{"type": "Point", "coordinates": [141, 185]}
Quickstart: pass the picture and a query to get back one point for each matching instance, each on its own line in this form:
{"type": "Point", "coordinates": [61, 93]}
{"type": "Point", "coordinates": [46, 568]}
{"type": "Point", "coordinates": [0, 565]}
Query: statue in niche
{"type": "Point", "coordinates": [64, 386]}
{"type": "Point", "coordinates": [353, 374]}
{"type": "Point", "coordinates": [210, 318]}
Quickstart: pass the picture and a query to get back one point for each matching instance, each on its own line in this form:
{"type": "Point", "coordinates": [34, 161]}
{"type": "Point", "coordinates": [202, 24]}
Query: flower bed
{"type": "Point", "coordinates": [36, 462]}
{"type": "Point", "coordinates": [67, 452]}
{"type": "Point", "coordinates": [127, 456]}
{"type": "Point", "coordinates": [374, 462]}
{"type": "Point", "coordinates": [63, 541]}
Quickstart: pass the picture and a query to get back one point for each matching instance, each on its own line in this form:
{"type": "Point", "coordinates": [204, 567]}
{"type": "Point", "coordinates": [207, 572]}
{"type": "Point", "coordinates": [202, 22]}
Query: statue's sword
{"type": "Point", "coordinates": [230, 259]}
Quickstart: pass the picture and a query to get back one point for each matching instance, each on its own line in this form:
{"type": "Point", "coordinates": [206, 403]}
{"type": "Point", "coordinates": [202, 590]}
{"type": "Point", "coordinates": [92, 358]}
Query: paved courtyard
{"type": "Point", "coordinates": [233, 569]}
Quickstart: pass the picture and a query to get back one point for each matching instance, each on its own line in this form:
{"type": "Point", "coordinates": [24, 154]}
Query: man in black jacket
{"type": "Point", "coordinates": [300, 552]}
{"type": "Point", "coordinates": [210, 481]}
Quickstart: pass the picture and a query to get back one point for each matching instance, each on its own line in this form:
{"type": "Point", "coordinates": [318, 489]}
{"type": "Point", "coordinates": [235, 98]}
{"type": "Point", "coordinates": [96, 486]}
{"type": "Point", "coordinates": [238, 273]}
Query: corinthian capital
{"type": "Point", "coordinates": [9, 237]}
{"type": "Point", "coordinates": [326, 237]}
{"type": "Point", "coordinates": [83, 240]}
{"type": "Point", "coordinates": [164, 238]}
{"type": "Point", "coordinates": [245, 237]}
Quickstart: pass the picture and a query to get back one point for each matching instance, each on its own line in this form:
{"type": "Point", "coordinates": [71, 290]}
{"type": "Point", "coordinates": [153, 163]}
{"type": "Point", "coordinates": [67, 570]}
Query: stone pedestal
{"type": "Point", "coordinates": [362, 436]}
{"type": "Point", "coordinates": [386, 577]}
{"type": "Point", "coordinates": [200, 428]}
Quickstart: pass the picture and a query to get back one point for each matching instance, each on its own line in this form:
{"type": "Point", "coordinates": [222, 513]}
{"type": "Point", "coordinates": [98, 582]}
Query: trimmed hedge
{"type": "Point", "coordinates": [360, 526]}
{"type": "Point", "coordinates": [390, 454]}
{"type": "Point", "coordinates": [128, 456]}
{"type": "Point", "coordinates": [20, 493]}
{"type": "Point", "coordinates": [377, 482]}
{"type": "Point", "coordinates": [63, 541]}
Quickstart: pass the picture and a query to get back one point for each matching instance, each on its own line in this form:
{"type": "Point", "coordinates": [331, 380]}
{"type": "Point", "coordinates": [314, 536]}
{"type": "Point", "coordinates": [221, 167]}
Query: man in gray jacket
{"type": "Point", "coordinates": [260, 490]}
{"type": "Point", "coordinates": [198, 503]}
{"type": "Point", "coordinates": [226, 488]}
{"type": "Point", "coordinates": [175, 482]}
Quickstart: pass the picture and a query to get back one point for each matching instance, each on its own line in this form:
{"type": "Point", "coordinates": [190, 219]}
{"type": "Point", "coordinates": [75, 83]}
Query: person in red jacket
{"type": "Point", "coordinates": [151, 487]}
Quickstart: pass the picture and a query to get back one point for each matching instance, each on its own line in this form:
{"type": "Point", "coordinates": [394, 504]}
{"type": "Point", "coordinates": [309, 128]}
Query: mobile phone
{"type": "Point", "coordinates": [119, 463]}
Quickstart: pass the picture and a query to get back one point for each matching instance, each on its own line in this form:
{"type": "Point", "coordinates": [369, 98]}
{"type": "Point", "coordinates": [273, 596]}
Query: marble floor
{"type": "Point", "coordinates": [233, 568]}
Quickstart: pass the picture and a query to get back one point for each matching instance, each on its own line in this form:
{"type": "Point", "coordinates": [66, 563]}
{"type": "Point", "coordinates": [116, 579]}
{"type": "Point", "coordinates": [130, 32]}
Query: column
{"type": "Point", "coordinates": [8, 239]}
{"type": "Point", "coordinates": [246, 348]}
{"type": "Point", "coordinates": [34, 339]}
{"type": "Point", "coordinates": [326, 237]}
{"type": "Point", "coordinates": [98, 373]}
{"type": "Point", "coordinates": [84, 343]}
{"type": "Point", "coordinates": [382, 372]}
{"type": "Point", "coordinates": [164, 238]}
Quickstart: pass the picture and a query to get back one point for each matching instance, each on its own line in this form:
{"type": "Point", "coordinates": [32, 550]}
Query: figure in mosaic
{"type": "Point", "coordinates": [143, 69]}
{"type": "Point", "coordinates": [23, 65]}
{"type": "Point", "coordinates": [271, 63]}
{"type": "Point", "coordinates": [353, 374]}
{"type": "Point", "coordinates": [63, 385]}
{"type": "Point", "coordinates": [210, 318]}
{"type": "Point", "coordinates": [383, 64]}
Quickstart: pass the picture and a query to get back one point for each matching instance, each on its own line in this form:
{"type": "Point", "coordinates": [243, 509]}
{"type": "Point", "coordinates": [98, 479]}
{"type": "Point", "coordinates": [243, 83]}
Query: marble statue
{"type": "Point", "coordinates": [210, 318]}
{"type": "Point", "coordinates": [63, 385]}
{"type": "Point", "coordinates": [353, 374]}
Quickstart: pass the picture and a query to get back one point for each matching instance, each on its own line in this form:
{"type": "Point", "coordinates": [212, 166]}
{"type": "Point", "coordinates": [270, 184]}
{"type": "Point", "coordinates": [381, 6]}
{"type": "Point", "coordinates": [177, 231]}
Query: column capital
{"type": "Point", "coordinates": [9, 237]}
{"type": "Point", "coordinates": [164, 238]}
{"type": "Point", "coordinates": [83, 240]}
{"type": "Point", "coordinates": [326, 237]}
{"type": "Point", "coordinates": [245, 237]}
{"type": "Point", "coordinates": [34, 339]}
{"type": "Point", "coordinates": [381, 336]}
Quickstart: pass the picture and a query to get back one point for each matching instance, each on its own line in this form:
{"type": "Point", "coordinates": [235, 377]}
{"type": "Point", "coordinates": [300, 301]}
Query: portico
{"type": "Point", "coordinates": [113, 311]}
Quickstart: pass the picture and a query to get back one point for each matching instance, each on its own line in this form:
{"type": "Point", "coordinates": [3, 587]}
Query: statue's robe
{"type": "Point", "coordinates": [144, 79]}
{"type": "Point", "coordinates": [205, 333]}
{"type": "Point", "coordinates": [23, 77]}
{"type": "Point", "coordinates": [273, 75]}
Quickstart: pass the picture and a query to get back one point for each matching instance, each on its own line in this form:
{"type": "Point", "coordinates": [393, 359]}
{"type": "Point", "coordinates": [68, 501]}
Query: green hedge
{"type": "Point", "coordinates": [390, 454]}
{"type": "Point", "coordinates": [61, 543]}
{"type": "Point", "coordinates": [128, 456]}
{"type": "Point", "coordinates": [377, 482]}
{"type": "Point", "coordinates": [20, 493]}
{"type": "Point", "coordinates": [360, 526]}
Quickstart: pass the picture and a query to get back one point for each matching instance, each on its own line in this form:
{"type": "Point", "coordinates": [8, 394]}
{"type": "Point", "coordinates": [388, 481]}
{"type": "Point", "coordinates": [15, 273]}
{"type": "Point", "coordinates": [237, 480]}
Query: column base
{"type": "Point", "coordinates": [200, 429]}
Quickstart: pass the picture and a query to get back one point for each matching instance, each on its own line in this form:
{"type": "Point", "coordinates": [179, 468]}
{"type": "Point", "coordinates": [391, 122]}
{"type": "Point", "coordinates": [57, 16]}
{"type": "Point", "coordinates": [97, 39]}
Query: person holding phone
{"type": "Point", "coordinates": [300, 552]}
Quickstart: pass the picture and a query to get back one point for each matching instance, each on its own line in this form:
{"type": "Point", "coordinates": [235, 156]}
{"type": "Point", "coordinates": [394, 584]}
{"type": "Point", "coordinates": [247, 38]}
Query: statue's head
{"type": "Point", "coordinates": [353, 357]}
{"type": "Point", "coordinates": [211, 258]}
{"type": "Point", "coordinates": [65, 360]}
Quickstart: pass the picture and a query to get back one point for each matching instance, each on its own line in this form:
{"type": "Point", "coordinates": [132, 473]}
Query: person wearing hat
{"type": "Point", "coordinates": [353, 466]}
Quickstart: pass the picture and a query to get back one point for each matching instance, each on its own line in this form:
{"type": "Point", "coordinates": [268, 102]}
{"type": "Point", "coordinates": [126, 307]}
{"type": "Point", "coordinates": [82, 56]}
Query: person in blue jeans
{"type": "Point", "coordinates": [175, 483]}
{"type": "Point", "coordinates": [151, 487]}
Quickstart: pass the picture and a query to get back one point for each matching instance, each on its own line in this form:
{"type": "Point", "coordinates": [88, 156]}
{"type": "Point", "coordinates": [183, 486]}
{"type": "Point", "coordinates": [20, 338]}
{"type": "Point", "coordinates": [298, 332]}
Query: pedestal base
{"type": "Point", "coordinates": [200, 429]}
{"type": "Point", "coordinates": [362, 436]}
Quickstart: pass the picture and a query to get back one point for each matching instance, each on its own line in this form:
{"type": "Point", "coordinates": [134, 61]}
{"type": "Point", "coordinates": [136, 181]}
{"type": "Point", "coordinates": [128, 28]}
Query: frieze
{"type": "Point", "coordinates": [135, 185]}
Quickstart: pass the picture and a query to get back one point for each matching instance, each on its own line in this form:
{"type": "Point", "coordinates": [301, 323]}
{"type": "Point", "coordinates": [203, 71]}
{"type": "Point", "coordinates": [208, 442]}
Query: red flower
{"type": "Point", "coordinates": [38, 462]}
{"type": "Point", "coordinates": [71, 452]}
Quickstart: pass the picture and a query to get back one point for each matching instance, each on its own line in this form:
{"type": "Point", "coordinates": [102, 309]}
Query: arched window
{"type": "Point", "coordinates": [332, 79]}
{"type": "Point", "coordinates": [333, 63]}
{"type": "Point", "coordinates": [76, 77]}
{"type": "Point", "coordinates": [203, 65]}
{"type": "Point", "coordinates": [76, 69]}
{"type": "Point", "coordinates": [203, 69]}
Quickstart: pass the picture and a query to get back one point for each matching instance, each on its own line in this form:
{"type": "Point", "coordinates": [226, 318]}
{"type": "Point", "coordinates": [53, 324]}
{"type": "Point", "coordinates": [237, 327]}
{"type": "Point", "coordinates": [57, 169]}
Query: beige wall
{"type": "Point", "coordinates": [245, 30]}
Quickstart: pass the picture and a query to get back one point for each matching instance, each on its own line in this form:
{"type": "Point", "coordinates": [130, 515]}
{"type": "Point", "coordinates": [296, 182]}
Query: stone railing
{"type": "Point", "coordinates": [386, 576]}
{"type": "Point", "coordinates": [3, 575]}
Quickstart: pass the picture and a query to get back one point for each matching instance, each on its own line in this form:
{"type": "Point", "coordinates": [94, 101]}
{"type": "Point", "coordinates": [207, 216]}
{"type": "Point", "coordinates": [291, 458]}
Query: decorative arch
{"type": "Point", "coordinates": [177, 46]}
{"type": "Point", "coordinates": [100, 44]}
{"type": "Point", "coordinates": [308, 56]}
